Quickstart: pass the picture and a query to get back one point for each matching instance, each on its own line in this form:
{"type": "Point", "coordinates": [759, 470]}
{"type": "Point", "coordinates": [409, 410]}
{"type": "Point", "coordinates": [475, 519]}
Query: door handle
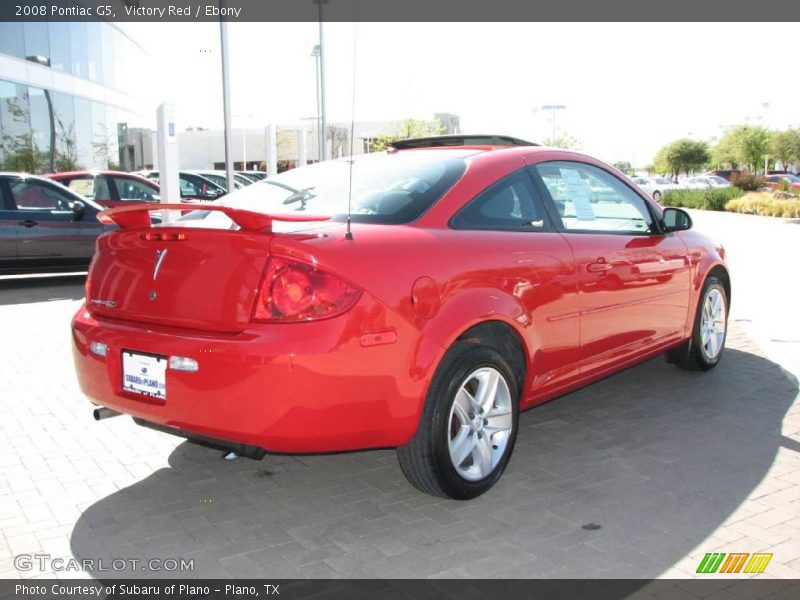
{"type": "Point", "coordinates": [28, 223]}
{"type": "Point", "coordinates": [601, 266]}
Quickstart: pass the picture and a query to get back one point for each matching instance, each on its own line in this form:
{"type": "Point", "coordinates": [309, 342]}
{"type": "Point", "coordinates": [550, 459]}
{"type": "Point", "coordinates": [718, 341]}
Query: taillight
{"type": "Point", "coordinates": [296, 291]}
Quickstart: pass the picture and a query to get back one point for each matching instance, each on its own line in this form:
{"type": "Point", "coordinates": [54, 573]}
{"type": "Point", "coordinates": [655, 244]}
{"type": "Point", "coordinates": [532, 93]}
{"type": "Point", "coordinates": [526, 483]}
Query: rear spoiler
{"type": "Point", "coordinates": [137, 215]}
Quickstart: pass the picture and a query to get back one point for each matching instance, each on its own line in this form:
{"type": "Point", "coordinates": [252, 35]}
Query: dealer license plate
{"type": "Point", "coordinates": [144, 374]}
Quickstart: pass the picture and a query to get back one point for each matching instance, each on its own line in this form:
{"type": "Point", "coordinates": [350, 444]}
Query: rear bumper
{"type": "Point", "coordinates": [300, 387]}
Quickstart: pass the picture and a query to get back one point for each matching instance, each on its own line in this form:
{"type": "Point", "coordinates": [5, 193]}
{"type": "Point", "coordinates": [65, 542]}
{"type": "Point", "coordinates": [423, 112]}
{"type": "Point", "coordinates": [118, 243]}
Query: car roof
{"type": "Point", "coordinates": [66, 174]}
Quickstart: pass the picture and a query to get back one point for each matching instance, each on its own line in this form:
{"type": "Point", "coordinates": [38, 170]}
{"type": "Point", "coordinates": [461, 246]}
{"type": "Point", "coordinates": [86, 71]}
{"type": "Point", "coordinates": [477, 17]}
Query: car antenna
{"type": "Point", "coordinates": [348, 233]}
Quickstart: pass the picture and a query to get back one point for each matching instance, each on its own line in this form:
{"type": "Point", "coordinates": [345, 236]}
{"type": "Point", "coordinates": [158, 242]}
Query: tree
{"type": "Point", "coordinates": [724, 152]}
{"type": "Point", "coordinates": [339, 136]}
{"type": "Point", "coordinates": [408, 128]}
{"type": "Point", "coordinates": [682, 156]}
{"type": "Point", "coordinates": [742, 145]}
{"type": "Point", "coordinates": [624, 166]}
{"type": "Point", "coordinates": [22, 152]}
{"type": "Point", "coordinates": [567, 142]}
{"type": "Point", "coordinates": [754, 142]}
{"type": "Point", "coordinates": [67, 155]}
{"type": "Point", "coordinates": [785, 146]}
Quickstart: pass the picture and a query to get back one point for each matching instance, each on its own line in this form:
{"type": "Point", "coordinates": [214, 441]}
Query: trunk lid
{"type": "Point", "coordinates": [198, 274]}
{"type": "Point", "coordinates": [207, 280]}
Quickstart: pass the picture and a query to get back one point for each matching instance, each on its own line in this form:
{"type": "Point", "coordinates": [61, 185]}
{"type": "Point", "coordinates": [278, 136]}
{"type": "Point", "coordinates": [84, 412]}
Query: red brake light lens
{"type": "Point", "coordinates": [296, 291]}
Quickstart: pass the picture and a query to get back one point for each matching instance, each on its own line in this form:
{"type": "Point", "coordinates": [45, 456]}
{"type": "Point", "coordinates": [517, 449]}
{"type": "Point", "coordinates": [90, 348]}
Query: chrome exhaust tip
{"type": "Point", "coordinates": [104, 413]}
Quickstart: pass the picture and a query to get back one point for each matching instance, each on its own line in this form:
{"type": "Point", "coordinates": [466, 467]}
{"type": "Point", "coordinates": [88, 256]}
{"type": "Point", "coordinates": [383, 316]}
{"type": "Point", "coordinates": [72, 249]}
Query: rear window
{"type": "Point", "coordinates": [386, 188]}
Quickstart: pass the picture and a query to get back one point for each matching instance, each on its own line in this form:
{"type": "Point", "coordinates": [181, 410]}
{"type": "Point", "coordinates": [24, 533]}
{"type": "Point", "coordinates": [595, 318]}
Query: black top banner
{"type": "Point", "coordinates": [186, 11]}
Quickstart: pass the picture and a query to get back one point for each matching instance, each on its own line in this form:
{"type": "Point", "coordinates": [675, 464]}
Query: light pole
{"type": "Point", "coordinates": [45, 62]}
{"type": "Point", "coordinates": [553, 108]}
{"type": "Point", "coordinates": [315, 52]}
{"type": "Point", "coordinates": [226, 100]}
{"type": "Point", "coordinates": [322, 122]}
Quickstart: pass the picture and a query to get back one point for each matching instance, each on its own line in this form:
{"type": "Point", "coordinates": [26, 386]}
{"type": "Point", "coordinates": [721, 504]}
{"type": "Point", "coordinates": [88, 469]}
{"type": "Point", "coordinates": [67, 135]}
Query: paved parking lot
{"type": "Point", "coordinates": [636, 476]}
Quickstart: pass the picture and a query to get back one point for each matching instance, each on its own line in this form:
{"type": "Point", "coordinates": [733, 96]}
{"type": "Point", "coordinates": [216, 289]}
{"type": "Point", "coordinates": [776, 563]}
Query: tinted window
{"type": "Point", "coordinates": [508, 204]}
{"type": "Point", "coordinates": [590, 199]}
{"type": "Point", "coordinates": [192, 185]}
{"type": "Point", "coordinates": [386, 188]}
{"type": "Point", "coordinates": [35, 195]}
{"type": "Point", "coordinates": [130, 189]}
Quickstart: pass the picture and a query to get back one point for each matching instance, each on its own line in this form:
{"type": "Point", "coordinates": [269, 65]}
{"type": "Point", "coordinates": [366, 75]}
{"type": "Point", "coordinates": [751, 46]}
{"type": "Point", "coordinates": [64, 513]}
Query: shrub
{"type": "Point", "coordinates": [784, 185]}
{"type": "Point", "coordinates": [748, 182]}
{"type": "Point", "coordinates": [711, 199]}
{"type": "Point", "coordinates": [766, 206]}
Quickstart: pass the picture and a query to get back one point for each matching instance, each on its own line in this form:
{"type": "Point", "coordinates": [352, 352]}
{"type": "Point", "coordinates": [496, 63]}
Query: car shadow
{"type": "Point", "coordinates": [621, 479]}
{"type": "Point", "coordinates": [37, 288]}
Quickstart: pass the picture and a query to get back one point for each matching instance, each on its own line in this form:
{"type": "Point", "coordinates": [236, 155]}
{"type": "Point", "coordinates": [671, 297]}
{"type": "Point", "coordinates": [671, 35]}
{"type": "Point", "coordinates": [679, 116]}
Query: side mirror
{"type": "Point", "coordinates": [77, 207]}
{"type": "Point", "coordinates": [676, 219]}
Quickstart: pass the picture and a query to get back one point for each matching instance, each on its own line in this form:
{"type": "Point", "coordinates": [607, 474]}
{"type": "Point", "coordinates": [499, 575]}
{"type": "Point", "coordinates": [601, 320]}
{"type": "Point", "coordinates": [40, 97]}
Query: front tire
{"type": "Point", "coordinates": [703, 350]}
{"type": "Point", "coordinates": [468, 426]}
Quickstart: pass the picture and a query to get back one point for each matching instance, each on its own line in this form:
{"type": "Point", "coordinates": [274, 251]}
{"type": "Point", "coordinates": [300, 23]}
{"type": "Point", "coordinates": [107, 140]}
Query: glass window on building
{"type": "Point", "coordinates": [66, 136]}
{"type": "Point", "coordinates": [101, 137]}
{"type": "Point", "coordinates": [44, 160]}
{"type": "Point", "coordinates": [95, 51]}
{"type": "Point", "coordinates": [112, 138]}
{"type": "Point", "coordinates": [108, 54]}
{"type": "Point", "coordinates": [37, 40]}
{"type": "Point", "coordinates": [12, 40]}
{"type": "Point", "coordinates": [15, 128]}
{"type": "Point", "coordinates": [60, 46]}
{"type": "Point", "coordinates": [78, 50]}
{"type": "Point", "coordinates": [83, 133]}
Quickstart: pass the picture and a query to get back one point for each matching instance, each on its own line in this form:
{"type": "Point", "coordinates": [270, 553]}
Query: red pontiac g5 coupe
{"type": "Point", "coordinates": [476, 277]}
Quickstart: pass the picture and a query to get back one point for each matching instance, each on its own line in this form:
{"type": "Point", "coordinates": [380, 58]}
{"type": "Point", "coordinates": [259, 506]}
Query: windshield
{"type": "Point", "coordinates": [386, 188]}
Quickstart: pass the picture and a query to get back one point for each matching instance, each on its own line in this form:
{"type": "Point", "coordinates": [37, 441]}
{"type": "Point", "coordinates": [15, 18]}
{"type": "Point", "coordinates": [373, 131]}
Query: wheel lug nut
{"type": "Point", "coordinates": [480, 435]}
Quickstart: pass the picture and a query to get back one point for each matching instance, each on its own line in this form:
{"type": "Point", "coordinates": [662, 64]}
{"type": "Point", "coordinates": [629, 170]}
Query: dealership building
{"type": "Point", "coordinates": [68, 97]}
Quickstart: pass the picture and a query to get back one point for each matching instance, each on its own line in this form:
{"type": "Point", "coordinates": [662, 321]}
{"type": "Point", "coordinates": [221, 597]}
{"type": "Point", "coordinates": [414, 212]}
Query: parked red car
{"type": "Point", "coordinates": [775, 181]}
{"type": "Point", "coordinates": [727, 174]}
{"type": "Point", "coordinates": [109, 188]}
{"type": "Point", "coordinates": [420, 305]}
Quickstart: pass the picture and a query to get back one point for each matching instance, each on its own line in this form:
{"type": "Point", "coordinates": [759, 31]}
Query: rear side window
{"type": "Point", "coordinates": [506, 205]}
{"type": "Point", "coordinates": [95, 188]}
{"type": "Point", "coordinates": [386, 188]}
{"type": "Point", "coordinates": [130, 189]}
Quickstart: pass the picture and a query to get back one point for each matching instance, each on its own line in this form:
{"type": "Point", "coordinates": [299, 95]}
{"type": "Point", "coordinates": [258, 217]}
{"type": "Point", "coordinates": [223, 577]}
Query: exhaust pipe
{"type": "Point", "coordinates": [104, 413]}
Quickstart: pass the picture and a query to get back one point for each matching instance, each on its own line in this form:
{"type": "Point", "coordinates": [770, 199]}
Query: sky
{"type": "Point", "coordinates": [628, 88]}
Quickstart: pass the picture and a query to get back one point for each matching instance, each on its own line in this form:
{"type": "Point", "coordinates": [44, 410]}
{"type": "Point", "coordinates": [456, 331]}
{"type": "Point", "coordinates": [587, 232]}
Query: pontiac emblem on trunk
{"type": "Point", "coordinates": [160, 255]}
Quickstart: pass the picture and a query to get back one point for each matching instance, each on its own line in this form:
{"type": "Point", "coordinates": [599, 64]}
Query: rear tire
{"type": "Point", "coordinates": [703, 350]}
{"type": "Point", "coordinates": [468, 426]}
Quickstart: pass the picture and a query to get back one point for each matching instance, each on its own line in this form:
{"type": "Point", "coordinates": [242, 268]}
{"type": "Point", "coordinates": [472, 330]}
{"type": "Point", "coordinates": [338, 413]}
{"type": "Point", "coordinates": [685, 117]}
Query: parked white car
{"type": "Point", "coordinates": [704, 182]}
{"type": "Point", "coordinates": [655, 186]}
